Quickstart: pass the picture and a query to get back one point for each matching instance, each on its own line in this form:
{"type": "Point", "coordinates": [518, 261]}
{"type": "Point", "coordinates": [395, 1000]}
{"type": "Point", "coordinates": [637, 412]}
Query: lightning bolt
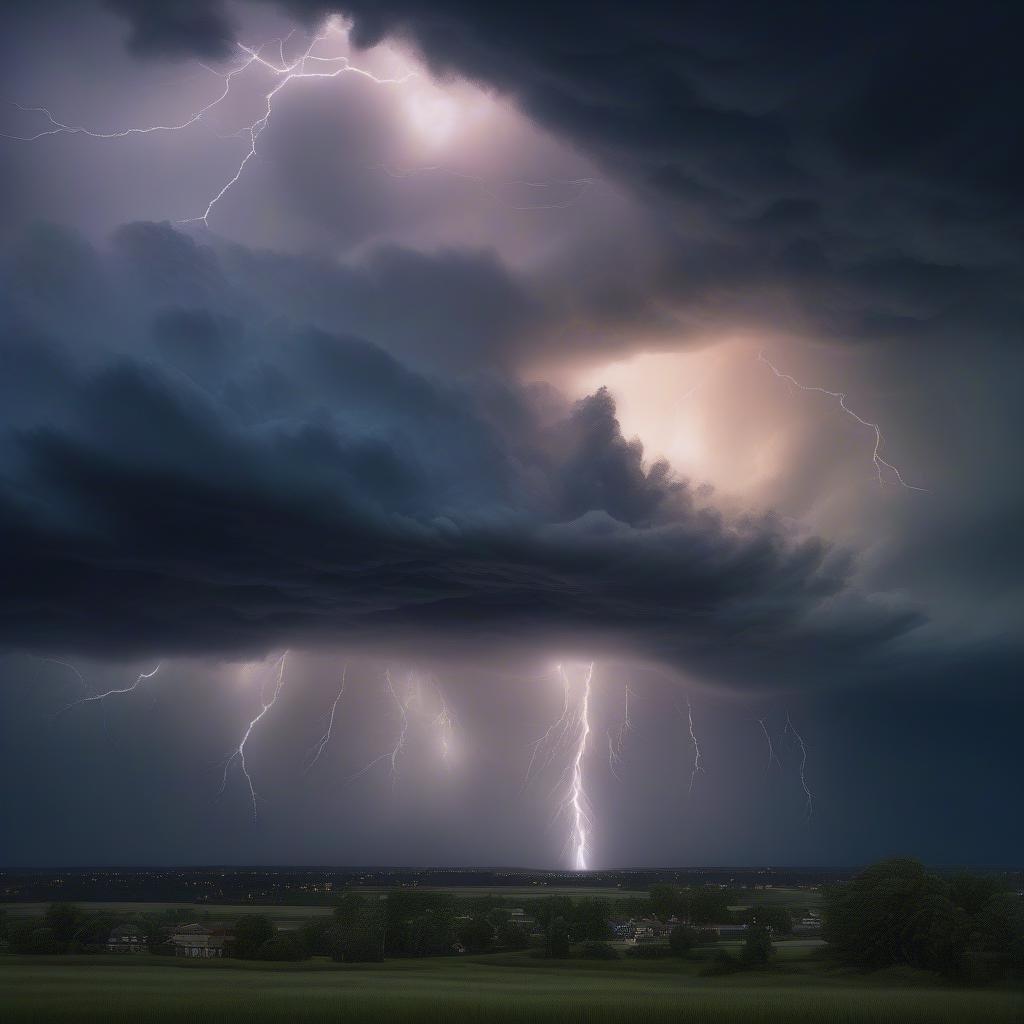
{"type": "Point", "coordinates": [239, 754]}
{"type": "Point", "coordinates": [697, 766]}
{"type": "Point", "coordinates": [577, 799]}
{"type": "Point", "coordinates": [571, 729]}
{"type": "Point", "coordinates": [142, 676]}
{"type": "Point", "coordinates": [321, 744]}
{"type": "Point", "coordinates": [68, 665]}
{"type": "Point", "coordinates": [771, 749]}
{"type": "Point", "coordinates": [395, 752]}
{"type": "Point", "coordinates": [803, 764]}
{"type": "Point", "coordinates": [617, 739]}
{"type": "Point", "coordinates": [444, 723]}
{"type": "Point", "coordinates": [306, 65]}
{"type": "Point", "coordinates": [556, 733]}
{"type": "Point", "coordinates": [876, 456]}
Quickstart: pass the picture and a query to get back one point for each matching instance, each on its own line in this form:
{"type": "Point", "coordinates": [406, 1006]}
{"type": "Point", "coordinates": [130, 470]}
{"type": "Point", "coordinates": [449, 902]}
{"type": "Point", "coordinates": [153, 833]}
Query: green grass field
{"type": "Point", "coordinates": [213, 910]}
{"type": "Point", "coordinates": [501, 989]}
{"type": "Point", "coordinates": [799, 898]}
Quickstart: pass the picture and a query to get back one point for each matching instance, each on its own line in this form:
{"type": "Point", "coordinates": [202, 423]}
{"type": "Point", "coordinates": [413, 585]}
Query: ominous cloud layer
{"type": "Point", "coordinates": [187, 476]}
{"type": "Point", "coordinates": [361, 413]}
{"type": "Point", "coordinates": [844, 169]}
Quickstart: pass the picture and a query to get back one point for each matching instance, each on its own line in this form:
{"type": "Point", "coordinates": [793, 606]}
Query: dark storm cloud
{"type": "Point", "coordinates": [176, 27]}
{"type": "Point", "coordinates": [859, 161]}
{"type": "Point", "coordinates": [167, 487]}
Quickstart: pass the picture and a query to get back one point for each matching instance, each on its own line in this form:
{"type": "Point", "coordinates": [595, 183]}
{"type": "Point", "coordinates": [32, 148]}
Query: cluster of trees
{"type": "Point", "coordinates": [66, 928]}
{"type": "Point", "coordinates": [406, 923]}
{"type": "Point", "coordinates": [698, 906]}
{"type": "Point", "coordinates": [896, 912]}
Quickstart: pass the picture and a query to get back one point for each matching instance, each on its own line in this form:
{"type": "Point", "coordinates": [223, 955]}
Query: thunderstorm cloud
{"type": "Point", "coordinates": [186, 469]}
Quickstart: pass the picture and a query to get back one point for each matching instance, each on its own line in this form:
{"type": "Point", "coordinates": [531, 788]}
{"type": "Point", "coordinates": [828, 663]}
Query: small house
{"type": "Point", "coordinates": [126, 938]}
{"type": "Point", "coordinates": [196, 940]}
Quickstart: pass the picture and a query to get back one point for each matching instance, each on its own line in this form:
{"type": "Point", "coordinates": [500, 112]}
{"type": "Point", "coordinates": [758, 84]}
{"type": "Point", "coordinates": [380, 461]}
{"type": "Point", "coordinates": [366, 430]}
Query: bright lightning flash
{"type": "Point", "coordinates": [239, 753]}
{"type": "Point", "coordinates": [321, 744]}
{"type": "Point", "coordinates": [142, 676]}
{"type": "Point", "coordinates": [697, 765]}
{"type": "Point", "coordinates": [577, 799]}
{"type": "Point", "coordinates": [444, 723]}
{"type": "Point", "coordinates": [549, 744]}
{"type": "Point", "coordinates": [570, 730]}
{"type": "Point", "coordinates": [876, 456]}
{"type": "Point", "coordinates": [790, 728]}
{"type": "Point", "coordinates": [307, 65]}
{"type": "Point", "coordinates": [310, 64]}
{"type": "Point", "coordinates": [618, 738]}
{"type": "Point", "coordinates": [395, 752]}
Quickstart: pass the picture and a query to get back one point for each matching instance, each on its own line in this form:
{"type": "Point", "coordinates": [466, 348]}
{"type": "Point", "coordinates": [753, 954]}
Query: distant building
{"type": "Point", "coordinates": [195, 940]}
{"type": "Point", "coordinates": [126, 938]}
{"type": "Point", "coordinates": [648, 931]}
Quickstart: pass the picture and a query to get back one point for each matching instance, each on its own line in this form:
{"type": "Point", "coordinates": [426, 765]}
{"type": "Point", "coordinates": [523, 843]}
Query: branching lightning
{"type": "Point", "coordinates": [306, 65]}
{"type": "Point", "coordinates": [577, 799]}
{"type": "Point", "coordinates": [444, 723]}
{"type": "Point", "coordinates": [697, 765]}
{"type": "Point", "coordinates": [617, 738]}
{"type": "Point", "coordinates": [142, 676]}
{"type": "Point", "coordinates": [73, 668]}
{"type": "Point", "coordinates": [570, 731]}
{"type": "Point", "coordinates": [395, 752]}
{"type": "Point", "coordinates": [321, 744]}
{"type": "Point", "coordinates": [239, 754]}
{"type": "Point", "coordinates": [548, 745]}
{"type": "Point", "coordinates": [772, 756]}
{"type": "Point", "coordinates": [790, 728]}
{"type": "Point", "coordinates": [876, 456]}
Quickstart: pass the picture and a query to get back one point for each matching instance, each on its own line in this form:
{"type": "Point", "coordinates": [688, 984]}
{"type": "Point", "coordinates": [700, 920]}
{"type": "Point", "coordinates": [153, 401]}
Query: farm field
{"type": "Point", "coordinates": [278, 912]}
{"type": "Point", "coordinates": [781, 897]}
{"type": "Point", "coordinates": [512, 988]}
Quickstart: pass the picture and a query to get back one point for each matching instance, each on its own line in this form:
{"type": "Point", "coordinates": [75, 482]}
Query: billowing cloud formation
{"type": "Point", "coordinates": [184, 471]}
{"type": "Point", "coordinates": [847, 170]}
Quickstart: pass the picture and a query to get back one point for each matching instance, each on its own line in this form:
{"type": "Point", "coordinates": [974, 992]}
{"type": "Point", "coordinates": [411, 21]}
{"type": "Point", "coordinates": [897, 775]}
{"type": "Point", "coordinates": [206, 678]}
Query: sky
{"type": "Point", "coordinates": [452, 434]}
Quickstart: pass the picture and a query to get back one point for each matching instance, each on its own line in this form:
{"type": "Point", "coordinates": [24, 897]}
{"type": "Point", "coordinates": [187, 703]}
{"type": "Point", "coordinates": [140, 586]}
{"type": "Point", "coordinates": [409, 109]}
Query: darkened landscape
{"type": "Point", "coordinates": [511, 512]}
{"type": "Point", "coordinates": [893, 942]}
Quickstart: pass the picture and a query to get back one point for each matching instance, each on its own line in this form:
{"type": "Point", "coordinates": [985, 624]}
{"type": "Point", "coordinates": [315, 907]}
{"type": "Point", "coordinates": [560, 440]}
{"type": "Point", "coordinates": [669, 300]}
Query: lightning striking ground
{"type": "Point", "coordinates": [772, 756]}
{"type": "Point", "coordinates": [321, 744]}
{"type": "Point", "coordinates": [876, 456]}
{"type": "Point", "coordinates": [142, 676]}
{"type": "Point", "coordinates": [569, 732]}
{"type": "Point", "coordinates": [803, 764]}
{"type": "Point", "coordinates": [239, 753]}
{"type": "Point", "coordinates": [697, 765]}
{"type": "Point", "coordinates": [577, 799]}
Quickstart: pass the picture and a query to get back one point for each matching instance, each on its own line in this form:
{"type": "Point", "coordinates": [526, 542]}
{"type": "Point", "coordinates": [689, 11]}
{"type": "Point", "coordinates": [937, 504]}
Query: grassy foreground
{"type": "Point", "coordinates": [506, 989]}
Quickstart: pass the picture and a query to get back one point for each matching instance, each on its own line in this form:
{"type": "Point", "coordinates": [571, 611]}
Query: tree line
{"type": "Point", "coordinates": [964, 926]}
